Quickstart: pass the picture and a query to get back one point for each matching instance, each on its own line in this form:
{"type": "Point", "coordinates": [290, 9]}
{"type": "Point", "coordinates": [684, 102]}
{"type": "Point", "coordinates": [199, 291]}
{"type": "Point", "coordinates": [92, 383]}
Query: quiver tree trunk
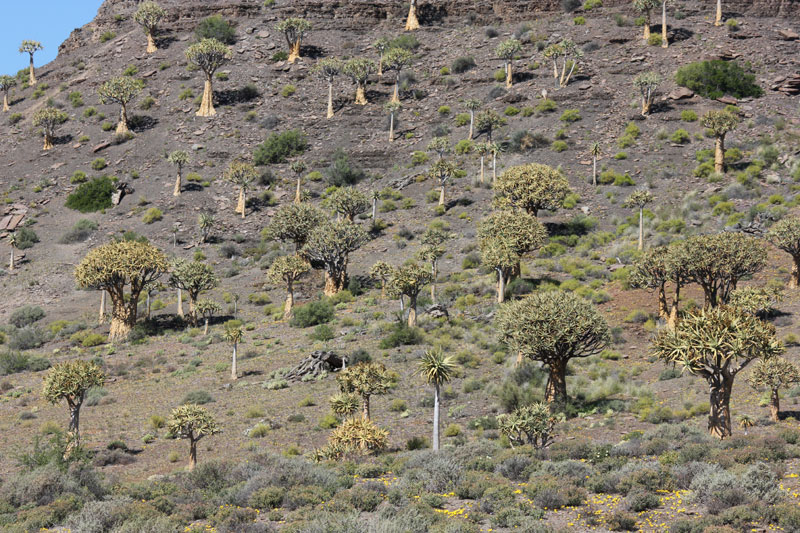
{"type": "Point", "coordinates": [719, 417]}
{"type": "Point", "coordinates": [412, 23]}
{"type": "Point", "coordinates": [396, 92]}
{"type": "Point", "coordinates": [483, 171]}
{"type": "Point", "coordinates": [102, 314]}
{"type": "Point", "coordinates": [240, 205]}
{"type": "Point", "coordinates": [365, 407]}
{"type": "Point", "coordinates": [391, 127]}
{"type": "Point", "coordinates": [718, 18]}
{"type": "Point", "coordinates": [361, 94]}
{"type": "Point", "coordinates": [472, 126]}
{"type": "Point", "coordinates": [334, 282]}
{"type": "Point", "coordinates": [123, 317]}
{"type": "Point", "coordinates": [794, 277]}
{"type": "Point", "coordinates": [48, 140]}
{"type": "Point", "coordinates": [501, 286]}
{"type": "Point", "coordinates": [73, 431]}
{"type": "Point", "coordinates": [494, 169]}
{"type": "Point", "coordinates": [509, 75]}
{"type": "Point", "coordinates": [151, 43]}
{"type": "Point", "coordinates": [192, 454]}
{"type": "Point", "coordinates": [122, 125]}
{"type": "Point", "coordinates": [234, 373]}
{"type": "Point", "coordinates": [663, 313]}
{"type": "Point", "coordinates": [664, 39]}
{"type": "Point", "coordinates": [641, 228]}
{"type": "Point", "coordinates": [11, 262]}
{"type": "Point", "coordinates": [774, 405]}
{"type": "Point", "coordinates": [207, 105]}
{"type": "Point", "coordinates": [434, 275]}
{"type": "Point", "coordinates": [205, 327]}
{"type": "Point", "coordinates": [31, 74]}
{"type": "Point", "coordinates": [719, 154]}
{"type": "Point", "coordinates": [436, 417]}
{"type": "Point", "coordinates": [180, 303]}
{"type": "Point", "coordinates": [287, 308]}
{"type": "Point", "coordinates": [441, 194]}
{"type": "Point", "coordinates": [178, 179]}
{"type": "Point", "coordinates": [330, 100]}
{"type": "Point", "coordinates": [294, 51]}
{"type": "Point", "coordinates": [673, 312]}
{"type": "Point", "coordinates": [646, 103]}
{"type": "Point", "coordinates": [556, 391]}
{"type": "Point", "coordinates": [412, 311]}
{"type": "Point", "coordinates": [594, 170]}
{"type": "Point", "coordinates": [5, 102]}
{"type": "Point", "coordinates": [646, 36]}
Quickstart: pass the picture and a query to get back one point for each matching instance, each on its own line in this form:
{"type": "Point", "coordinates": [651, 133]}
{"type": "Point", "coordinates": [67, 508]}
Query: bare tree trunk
{"type": "Point", "coordinates": [333, 283]}
{"type": "Point", "coordinates": [48, 141]}
{"type": "Point", "coordinates": [122, 126]}
{"type": "Point", "coordinates": [192, 454]}
{"type": "Point", "coordinates": [330, 100]}
{"type": "Point", "coordinates": [5, 102]}
{"type": "Point", "coordinates": [471, 124]}
{"type": "Point", "coordinates": [441, 195]}
{"type": "Point", "coordinates": [434, 275]}
{"type": "Point", "coordinates": [361, 94]}
{"type": "Point", "coordinates": [718, 18]}
{"type": "Point", "coordinates": [396, 93]}
{"type": "Point", "coordinates": [647, 25]}
{"type": "Point", "coordinates": [178, 179]}
{"type": "Point", "coordinates": [483, 159]}
{"type": "Point", "coordinates": [287, 308]}
{"type": "Point", "coordinates": [436, 417]}
{"type": "Point", "coordinates": [102, 315]}
{"type": "Point", "coordinates": [412, 311]}
{"type": "Point", "coordinates": [147, 306]}
{"type": "Point", "coordinates": [719, 154]}
{"type": "Point", "coordinates": [494, 168]}
{"type": "Point", "coordinates": [205, 328]}
{"type": "Point", "coordinates": [207, 105]}
{"type": "Point", "coordinates": [719, 418]}
{"type": "Point", "coordinates": [234, 374]}
{"type": "Point", "coordinates": [294, 52]}
{"type": "Point", "coordinates": [180, 303]}
{"type": "Point", "coordinates": [641, 228]}
{"type": "Point", "coordinates": [664, 39]}
{"type": "Point", "coordinates": [509, 75]}
{"type": "Point", "coordinates": [662, 303]}
{"type": "Point", "coordinates": [556, 390]}
{"type": "Point", "coordinates": [151, 43]}
{"type": "Point", "coordinates": [775, 405]}
{"type": "Point", "coordinates": [412, 23]}
{"type": "Point", "coordinates": [673, 312]}
{"type": "Point", "coordinates": [123, 319]}
{"type": "Point", "coordinates": [501, 286]}
{"type": "Point", "coordinates": [365, 408]}
{"type": "Point", "coordinates": [391, 127]}
{"type": "Point", "coordinates": [794, 278]}
{"type": "Point", "coordinates": [31, 75]}
{"type": "Point", "coordinates": [11, 262]}
{"type": "Point", "coordinates": [374, 208]}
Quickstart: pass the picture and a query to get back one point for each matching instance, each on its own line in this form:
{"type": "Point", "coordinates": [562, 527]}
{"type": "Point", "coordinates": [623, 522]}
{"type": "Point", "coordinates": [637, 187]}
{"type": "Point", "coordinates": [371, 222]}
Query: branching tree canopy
{"type": "Point", "coordinates": [646, 7]}
{"type": "Point", "coordinates": [719, 123]}
{"type": "Point", "coordinates": [49, 119]}
{"type": "Point", "coordinates": [193, 277]}
{"type": "Point", "coordinates": [532, 187]}
{"type": "Point", "coordinates": [397, 59]}
{"type": "Point", "coordinates": [122, 91]}
{"type": "Point", "coordinates": [148, 16]}
{"type": "Point", "coordinates": [785, 234]}
{"type": "Point", "coordinates": [294, 223]}
{"type": "Point", "coordinates": [718, 262]}
{"type": "Point", "coordinates": [294, 29]}
{"type": "Point", "coordinates": [359, 70]}
{"type": "Point", "coordinates": [179, 158]}
{"type": "Point", "coordinates": [69, 381]}
{"type": "Point", "coordinates": [653, 270]}
{"type": "Point", "coordinates": [30, 47]}
{"type": "Point", "coordinates": [327, 69]}
{"type": "Point", "coordinates": [6, 84]}
{"type": "Point", "coordinates": [207, 308]}
{"type": "Point", "coordinates": [348, 202]}
{"type": "Point", "coordinates": [208, 55]}
{"type": "Point", "coordinates": [242, 174]}
{"type": "Point", "coordinates": [507, 51]}
{"type": "Point", "coordinates": [366, 380]}
{"type": "Point", "coordinates": [647, 83]}
{"type": "Point", "coordinates": [286, 270]}
{"type": "Point", "coordinates": [409, 280]}
{"type": "Point", "coordinates": [773, 374]}
{"type": "Point", "coordinates": [553, 327]}
{"type": "Point", "coordinates": [382, 272]}
{"type": "Point", "coordinates": [488, 121]}
{"type": "Point", "coordinates": [716, 344]}
{"type": "Point", "coordinates": [442, 171]}
{"type": "Point", "coordinates": [192, 422]}
{"type": "Point", "coordinates": [329, 246]}
{"type": "Point", "coordinates": [530, 424]}
{"type": "Point", "coordinates": [114, 266]}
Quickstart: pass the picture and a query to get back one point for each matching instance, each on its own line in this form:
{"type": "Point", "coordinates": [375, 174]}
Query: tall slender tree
{"type": "Point", "coordinates": [639, 199]}
{"type": "Point", "coordinates": [397, 59]}
{"type": "Point", "coordinates": [718, 17]}
{"type": "Point", "coordinates": [646, 7]}
{"type": "Point", "coordinates": [359, 70]}
{"type": "Point", "coordinates": [785, 235]}
{"type": "Point", "coordinates": [412, 22]}
{"type": "Point", "coordinates": [13, 241]}
{"type": "Point", "coordinates": [287, 270]}
{"type": "Point", "coordinates": [241, 174]}
{"type": "Point", "coordinates": [409, 280]}
{"type": "Point", "coordinates": [774, 374]}
{"type": "Point", "coordinates": [664, 35]}
{"type": "Point", "coordinates": [298, 167]}
{"type": "Point", "coordinates": [595, 151]}
{"type": "Point", "coordinates": [436, 369]}
{"type": "Point", "coordinates": [472, 105]}
{"type": "Point", "coordinates": [381, 45]}
{"type": "Point", "coordinates": [49, 119]}
{"type": "Point", "coordinates": [507, 51]}
{"type": "Point", "coordinates": [6, 84]}
{"type": "Point", "coordinates": [393, 108]}
{"type": "Point", "coordinates": [207, 308]}
{"type": "Point", "coordinates": [208, 55]}
{"type": "Point", "coordinates": [328, 69]}
{"type": "Point", "coordinates": [149, 16]}
{"type": "Point", "coordinates": [431, 251]}
{"type": "Point", "coordinates": [194, 277]}
{"type": "Point", "coordinates": [121, 90]}
{"type": "Point", "coordinates": [179, 158]}
{"type": "Point", "coordinates": [720, 123]}
{"type": "Point", "coordinates": [233, 334]}
{"type": "Point", "coordinates": [30, 47]}
{"type": "Point", "coordinates": [647, 83]}
{"type": "Point", "coordinates": [329, 246]}
{"type": "Point", "coordinates": [365, 379]}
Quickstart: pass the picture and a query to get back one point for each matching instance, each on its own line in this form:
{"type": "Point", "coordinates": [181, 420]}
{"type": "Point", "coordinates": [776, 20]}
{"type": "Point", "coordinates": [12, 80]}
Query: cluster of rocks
{"type": "Point", "coordinates": [788, 84]}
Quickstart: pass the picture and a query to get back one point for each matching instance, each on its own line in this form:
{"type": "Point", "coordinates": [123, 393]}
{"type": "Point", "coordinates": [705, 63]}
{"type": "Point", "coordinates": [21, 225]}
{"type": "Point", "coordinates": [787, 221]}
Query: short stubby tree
{"type": "Point", "coordinates": [69, 381]}
{"type": "Point", "coordinates": [113, 267]}
{"type": "Point", "coordinates": [553, 327]}
{"type": "Point", "coordinates": [532, 187]}
{"type": "Point", "coordinates": [716, 344]}
{"type": "Point", "coordinates": [208, 55]}
{"type": "Point", "coordinates": [330, 246]}
{"type": "Point", "coordinates": [192, 422]}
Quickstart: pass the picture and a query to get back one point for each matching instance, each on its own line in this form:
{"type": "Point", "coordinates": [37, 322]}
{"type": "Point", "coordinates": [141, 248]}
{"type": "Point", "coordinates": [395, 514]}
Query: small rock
{"type": "Point", "coordinates": [101, 146]}
{"type": "Point", "coordinates": [680, 93]}
{"type": "Point", "coordinates": [196, 147]}
{"type": "Point", "coordinates": [729, 100]}
{"type": "Point", "coordinates": [788, 35]}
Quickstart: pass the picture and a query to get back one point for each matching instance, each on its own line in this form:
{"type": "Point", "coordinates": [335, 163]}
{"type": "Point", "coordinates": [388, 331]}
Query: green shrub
{"type": "Point", "coordinates": [322, 333]}
{"type": "Point", "coordinates": [559, 146]}
{"type": "Point", "coordinates": [419, 158]}
{"type": "Point", "coordinates": [16, 362]}
{"type": "Point", "coordinates": [75, 99]}
{"type": "Point", "coordinates": [511, 111]}
{"type": "Point", "coordinates": [153, 214]}
{"type": "Point", "coordinates": [681, 136]}
{"type": "Point", "coordinates": [444, 110]}
{"type": "Point", "coordinates": [579, 21]}
{"type": "Point", "coordinates": [259, 431]}
{"type": "Point", "coordinates": [546, 106]}
{"type": "Point", "coordinates": [280, 55]}
{"type": "Point", "coordinates": [313, 314]}
{"type": "Point", "coordinates": [464, 147]}
{"type": "Point", "coordinates": [654, 39]}
{"type": "Point", "coordinates": [26, 238]}
{"type": "Point", "coordinates": [279, 147]}
{"type": "Point", "coordinates": [406, 40]}
{"type": "Point", "coordinates": [570, 115]}
{"type": "Point", "coordinates": [99, 164]}
{"type": "Point", "coordinates": [716, 78]}
{"type": "Point", "coordinates": [27, 315]}
{"type": "Point", "coordinates": [79, 232]}
{"type": "Point", "coordinates": [462, 64]}
{"type": "Point", "coordinates": [107, 36]}
{"type": "Point", "coordinates": [401, 335]}
{"type": "Point", "coordinates": [588, 5]}
{"type": "Point", "coordinates": [92, 196]}
{"type": "Point", "coordinates": [199, 397]}
{"type": "Point", "coordinates": [342, 172]}
{"type": "Point", "coordinates": [216, 27]}
{"type": "Point", "coordinates": [688, 116]}
{"type": "Point", "coordinates": [288, 90]}
{"type": "Point", "coordinates": [267, 498]}
{"type": "Point", "coordinates": [462, 119]}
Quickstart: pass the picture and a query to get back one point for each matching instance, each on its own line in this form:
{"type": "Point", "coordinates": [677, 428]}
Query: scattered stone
{"type": "Point", "coordinates": [728, 100]}
{"type": "Point", "coordinates": [313, 365]}
{"type": "Point", "coordinates": [680, 93]}
{"type": "Point", "coordinates": [787, 84]}
{"type": "Point", "coordinates": [438, 311]}
{"type": "Point", "coordinates": [788, 35]}
{"type": "Point", "coordinates": [101, 146]}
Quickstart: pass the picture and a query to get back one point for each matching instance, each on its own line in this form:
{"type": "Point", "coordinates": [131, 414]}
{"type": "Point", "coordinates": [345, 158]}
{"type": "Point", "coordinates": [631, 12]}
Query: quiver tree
{"type": "Point", "coordinates": [647, 83]}
{"type": "Point", "coordinates": [758, 301]}
{"type": "Point", "coordinates": [192, 422]}
{"type": "Point", "coordinates": [30, 48]}
{"type": "Point", "coordinates": [412, 22]}
{"type": "Point", "coordinates": [595, 152]}
{"type": "Point", "coordinates": [148, 16]}
{"type": "Point", "coordinates": [193, 277]}
{"type": "Point", "coordinates": [639, 200]}
{"type": "Point", "coordinates": [179, 158]}
{"type": "Point", "coordinates": [6, 83]}
{"type": "Point", "coordinates": [207, 308]}
{"type": "Point", "coordinates": [13, 241]}
{"type": "Point", "coordinates": [646, 7]}
{"type": "Point", "coordinates": [397, 59]}
{"type": "Point", "coordinates": [122, 91]}
{"type": "Point", "coordinates": [241, 174]}
{"type": "Point", "coordinates": [286, 270]}
{"type": "Point", "coordinates": [298, 167]}
{"type": "Point", "coordinates": [472, 105]}
{"type": "Point", "coordinates": [507, 51]}
{"type": "Point", "coordinates": [716, 344]}
{"type": "Point", "coordinates": [530, 424]}
{"type": "Point", "coordinates": [114, 266]}
{"type": "Point", "coordinates": [208, 55]}
{"type": "Point", "coordinates": [365, 380]}
{"type": "Point", "coordinates": [569, 53]}
{"type": "Point", "coordinates": [393, 108]}
{"type": "Point", "coordinates": [205, 221]}
{"type": "Point", "coordinates": [718, 262]}
{"type": "Point", "coordinates": [348, 202]}
{"type": "Point", "coordinates": [381, 45]}
{"type": "Point", "coordinates": [718, 17]}
{"type": "Point", "coordinates": [69, 381]}
{"type": "Point", "coordinates": [327, 69]}
{"type": "Point", "coordinates": [432, 250]}
{"type": "Point", "coordinates": [234, 334]}
{"type": "Point", "coordinates": [359, 69]}
{"type": "Point", "coordinates": [785, 234]}
{"type": "Point", "coordinates": [653, 270]}
{"type": "Point", "coordinates": [442, 170]}
{"type": "Point", "coordinates": [345, 404]}
{"type": "Point", "coordinates": [294, 29]}
{"type": "Point", "coordinates": [49, 119]}
{"type": "Point", "coordinates": [773, 374]}
{"type": "Point", "coordinates": [409, 280]}
{"type": "Point", "coordinates": [720, 123]}
{"type": "Point", "coordinates": [553, 327]}
{"type": "Point", "coordinates": [439, 146]}
{"type": "Point", "coordinates": [293, 223]}
{"type": "Point", "coordinates": [664, 37]}
{"type": "Point", "coordinates": [482, 149]}
{"type": "Point", "coordinates": [504, 238]}
{"type": "Point", "coordinates": [531, 187]}
{"type": "Point", "coordinates": [382, 272]}
{"type": "Point", "coordinates": [488, 121]}
{"type": "Point", "coordinates": [329, 247]}
{"type": "Point", "coordinates": [436, 369]}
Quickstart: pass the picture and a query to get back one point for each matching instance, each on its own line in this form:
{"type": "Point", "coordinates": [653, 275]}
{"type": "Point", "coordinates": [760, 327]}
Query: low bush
{"type": "Point", "coordinates": [279, 147]}
{"type": "Point", "coordinates": [198, 397]}
{"type": "Point", "coordinates": [313, 314]}
{"type": "Point", "coordinates": [92, 196]}
{"type": "Point", "coordinates": [27, 315]}
{"type": "Point", "coordinates": [26, 238]}
{"type": "Point", "coordinates": [79, 232]}
{"type": "Point", "coordinates": [716, 78]}
{"type": "Point", "coordinates": [216, 27]}
{"type": "Point", "coordinates": [402, 335]}
{"type": "Point", "coordinates": [462, 64]}
{"type": "Point", "coordinates": [15, 362]}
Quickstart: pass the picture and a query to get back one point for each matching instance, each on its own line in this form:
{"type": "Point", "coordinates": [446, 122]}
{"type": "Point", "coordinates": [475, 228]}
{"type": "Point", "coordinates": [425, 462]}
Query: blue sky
{"type": "Point", "coordinates": [47, 21]}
